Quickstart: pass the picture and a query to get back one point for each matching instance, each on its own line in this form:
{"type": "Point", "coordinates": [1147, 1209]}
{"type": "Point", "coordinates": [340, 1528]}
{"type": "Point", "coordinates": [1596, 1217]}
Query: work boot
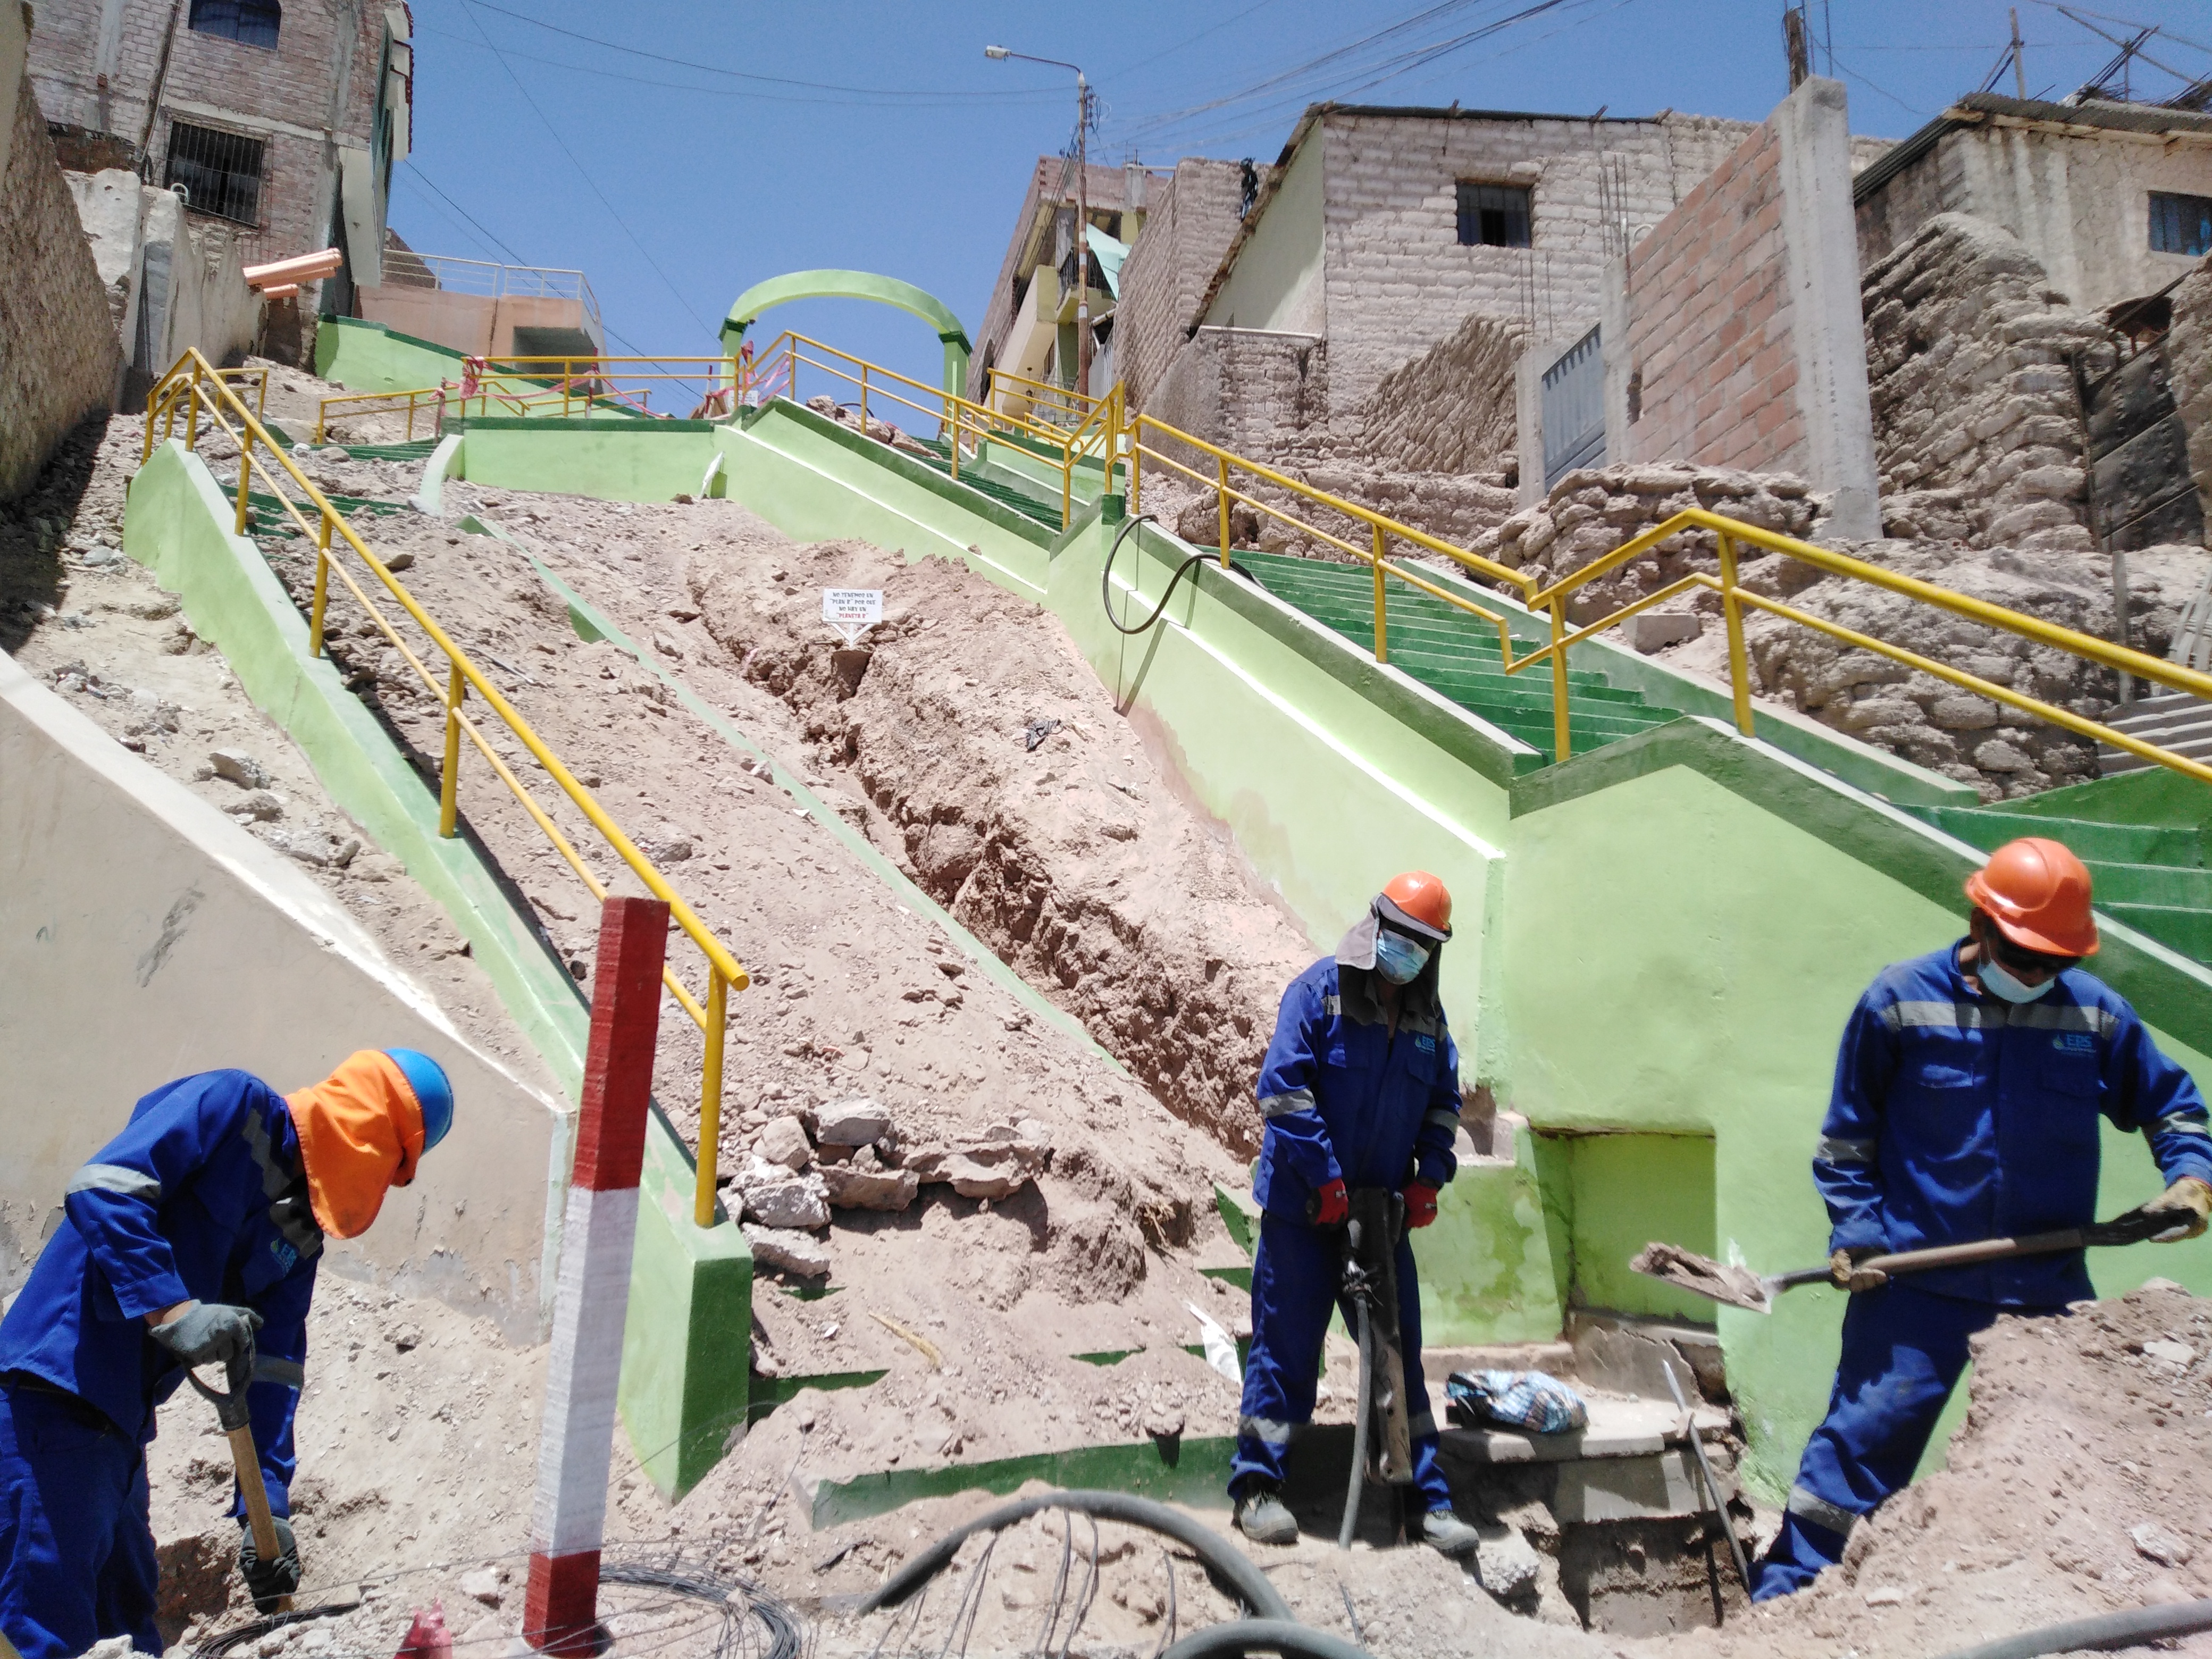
{"type": "Point", "coordinates": [1262, 1518]}
{"type": "Point", "coordinates": [1446, 1533]}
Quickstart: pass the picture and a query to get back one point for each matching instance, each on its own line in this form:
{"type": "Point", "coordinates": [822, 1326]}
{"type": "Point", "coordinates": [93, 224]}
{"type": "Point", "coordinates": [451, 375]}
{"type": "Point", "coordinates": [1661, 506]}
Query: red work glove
{"type": "Point", "coordinates": [1331, 1204]}
{"type": "Point", "coordinates": [1420, 1204]}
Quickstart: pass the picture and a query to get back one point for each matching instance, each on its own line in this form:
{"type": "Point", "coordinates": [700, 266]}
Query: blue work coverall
{"type": "Point", "coordinates": [1959, 1117]}
{"type": "Point", "coordinates": [200, 1198]}
{"type": "Point", "coordinates": [1344, 1097]}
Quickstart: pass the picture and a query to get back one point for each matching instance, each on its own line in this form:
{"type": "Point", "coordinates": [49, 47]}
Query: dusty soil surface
{"type": "Point", "coordinates": [2075, 1488]}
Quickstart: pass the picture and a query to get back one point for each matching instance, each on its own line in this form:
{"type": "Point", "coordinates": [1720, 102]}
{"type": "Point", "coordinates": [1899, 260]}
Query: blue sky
{"type": "Point", "coordinates": [874, 135]}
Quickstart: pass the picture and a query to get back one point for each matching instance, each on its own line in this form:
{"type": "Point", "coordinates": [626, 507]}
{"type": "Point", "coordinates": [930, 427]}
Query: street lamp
{"type": "Point", "coordinates": [1082, 210]}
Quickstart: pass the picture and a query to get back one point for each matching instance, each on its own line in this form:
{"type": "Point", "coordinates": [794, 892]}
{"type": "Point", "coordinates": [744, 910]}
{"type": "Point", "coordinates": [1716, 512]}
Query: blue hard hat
{"type": "Point", "coordinates": [434, 1093]}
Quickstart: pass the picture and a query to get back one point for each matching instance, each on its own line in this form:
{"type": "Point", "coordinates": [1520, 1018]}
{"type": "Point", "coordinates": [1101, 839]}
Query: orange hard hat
{"type": "Point", "coordinates": [2038, 894]}
{"type": "Point", "coordinates": [1418, 901]}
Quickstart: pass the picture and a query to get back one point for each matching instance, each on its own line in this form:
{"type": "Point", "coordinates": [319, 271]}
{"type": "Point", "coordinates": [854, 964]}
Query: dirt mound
{"type": "Point", "coordinates": [2076, 1487]}
{"type": "Point", "coordinates": [996, 770]}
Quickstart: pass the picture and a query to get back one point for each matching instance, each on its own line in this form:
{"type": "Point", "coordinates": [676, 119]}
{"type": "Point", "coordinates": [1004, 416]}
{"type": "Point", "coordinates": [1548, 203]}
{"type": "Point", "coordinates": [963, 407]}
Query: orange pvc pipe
{"type": "Point", "coordinates": [301, 268]}
{"type": "Point", "coordinates": [280, 291]}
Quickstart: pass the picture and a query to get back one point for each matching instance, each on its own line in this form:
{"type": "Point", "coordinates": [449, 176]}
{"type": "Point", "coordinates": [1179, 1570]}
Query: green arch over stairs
{"type": "Point", "coordinates": [854, 285]}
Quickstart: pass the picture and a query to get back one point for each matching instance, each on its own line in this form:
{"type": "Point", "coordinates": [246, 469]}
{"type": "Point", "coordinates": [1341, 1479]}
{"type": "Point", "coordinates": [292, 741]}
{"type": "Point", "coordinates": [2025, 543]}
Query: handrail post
{"type": "Point", "coordinates": [1136, 464]}
{"type": "Point", "coordinates": [1381, 620]}
{"type": "Point", "coordinates": [245, 474]}
{"type": "Point", "coordinates": [710, 1098]}
{"type": "Point", "coordinates": [261, 397]}
{"type": "Point", "coordinates": [192, 409]}
{"type": "Point", "coordinates": [1732, 609]}
{"type": "Point", "coordinates": [1561, 735]}
{"type": "Point", "coordinates": [322, 591]}
{"type": "Point", "coordinates": [952, 406]}
{"type": "Point", "coordinates": [864, 400]}
{"type": "Point", "coordinates": [1067, 483]}
{"type": "Point", "coordinates": [449, 780]}
{"type": "Point", "coordinates": [1221, 467]}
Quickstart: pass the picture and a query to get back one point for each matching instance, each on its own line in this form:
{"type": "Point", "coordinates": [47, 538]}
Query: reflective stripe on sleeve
{"type": "Point", "coordinates": [1265, 1428]}
{"type": "Point", "coordinates": [1442, 1117]}
{"type": "Point", "coordinates": [2179, 1125]}
{"type": "Point", "coordinates": [1834, 1150]}
{"type": "Point", "coordinates": [116, 1178]}
{"type": "Point", "coordinates": [275, 1178]}
{"type": "Point", "coordinates": [1422, 1426]}
{"type": "Point", "coordinates": [1811, 1506]}
{"type": "Point", "coordinates": [1331, 1006]}
{"type": "Point", "coordinates": [268, 1368]}
{"type": "Point", "coordinates": [1293, 1100]}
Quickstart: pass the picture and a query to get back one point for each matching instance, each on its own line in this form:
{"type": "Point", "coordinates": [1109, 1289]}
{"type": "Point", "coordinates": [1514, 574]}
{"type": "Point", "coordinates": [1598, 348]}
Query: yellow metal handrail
{"type": "Point", "coordinates": [961, 421]}
{"type": "Point", "coordinates": [199, 387]}
{"type": "Point", "coordinates": [536, 382]}
{"type": "Point", "coordinates": [1058, 400]}
{"type": "Point", "coordinates": [1552, 601]}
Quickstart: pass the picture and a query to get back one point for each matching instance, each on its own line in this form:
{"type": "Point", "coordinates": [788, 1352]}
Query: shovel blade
{"type": "Point", "coordinates": [1734, 1287]}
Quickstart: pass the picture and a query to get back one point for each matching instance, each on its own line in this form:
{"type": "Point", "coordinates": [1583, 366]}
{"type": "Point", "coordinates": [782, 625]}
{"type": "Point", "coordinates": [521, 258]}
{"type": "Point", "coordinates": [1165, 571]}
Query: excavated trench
{"type": "Point", "coordinates": [984, 757]}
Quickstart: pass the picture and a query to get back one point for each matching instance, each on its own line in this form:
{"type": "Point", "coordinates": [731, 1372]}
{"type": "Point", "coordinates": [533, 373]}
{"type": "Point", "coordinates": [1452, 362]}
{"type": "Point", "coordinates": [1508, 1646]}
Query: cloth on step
{"type": "Point", "coordinates": [1515, 1399]}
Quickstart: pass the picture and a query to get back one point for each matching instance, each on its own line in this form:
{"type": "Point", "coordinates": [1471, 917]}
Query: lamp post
{"type": "Point", "coordinates": [1082, 210]}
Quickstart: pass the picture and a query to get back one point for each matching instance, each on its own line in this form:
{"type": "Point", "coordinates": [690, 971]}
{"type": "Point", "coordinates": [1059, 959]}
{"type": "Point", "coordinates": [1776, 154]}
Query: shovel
{"type": "Point", "coordinates": [230, 1412]}
{"type": "Point", "coordinates": [1739, 1287]}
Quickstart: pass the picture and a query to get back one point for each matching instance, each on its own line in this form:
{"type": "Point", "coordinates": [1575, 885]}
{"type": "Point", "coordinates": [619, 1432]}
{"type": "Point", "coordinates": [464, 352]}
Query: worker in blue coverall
{"type": "Point", "coordinates": [1360, 1088]}
{"type": "Point", "coordinates": [194, 1233]}
{"type": "Point", "coordinates": [1966, 1101]}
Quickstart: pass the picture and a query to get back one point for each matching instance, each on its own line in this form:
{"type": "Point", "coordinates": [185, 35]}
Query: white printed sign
{"type": "Point", "coordinates": [851, 610]}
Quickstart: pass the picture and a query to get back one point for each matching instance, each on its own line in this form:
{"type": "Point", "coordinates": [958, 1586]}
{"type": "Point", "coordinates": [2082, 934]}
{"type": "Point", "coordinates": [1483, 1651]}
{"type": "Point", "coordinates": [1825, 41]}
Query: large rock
{"type": "Point", "coordinates": [778, 1197]}
{"type": "Point", "coordinates": [850, 1186]}
{"type": "Point", "coordinates": [998, 1165]}
{"type": "Point", "coordinates": [792, 1252]}
{"type": "Point", "coordinates": [783, 1141]}
{"type": "Point", "coordinates": [851, 1123]}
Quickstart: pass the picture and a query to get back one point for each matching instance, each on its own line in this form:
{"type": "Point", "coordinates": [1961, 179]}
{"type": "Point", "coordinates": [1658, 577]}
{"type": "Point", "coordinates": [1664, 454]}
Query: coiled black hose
{"type": "Point", "coordinates": [1244, 1636]}
{"type": "Point", "coordinates": [1226, 1565]}
{"type": "Point", "coordinates": [2126, 1629]}
{"type": "Point", "coordinates": [1106, 578]}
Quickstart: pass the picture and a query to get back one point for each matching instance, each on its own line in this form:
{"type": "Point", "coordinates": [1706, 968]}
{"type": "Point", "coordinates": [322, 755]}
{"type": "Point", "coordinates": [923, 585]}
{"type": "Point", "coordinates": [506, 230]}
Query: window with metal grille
{"type": "Point", "coordinates": [1493, 215]}
{"type": "Point", "coordinates": [221, 172]}
{"type": "Point", "coordinates": [249, 22]}
{"type": "Point", "coordinates": [2180, 224]}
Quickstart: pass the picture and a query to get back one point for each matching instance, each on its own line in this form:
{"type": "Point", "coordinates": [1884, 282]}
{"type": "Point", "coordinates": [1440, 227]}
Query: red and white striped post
{"type": "Point", "coordinates": [560, 1612]}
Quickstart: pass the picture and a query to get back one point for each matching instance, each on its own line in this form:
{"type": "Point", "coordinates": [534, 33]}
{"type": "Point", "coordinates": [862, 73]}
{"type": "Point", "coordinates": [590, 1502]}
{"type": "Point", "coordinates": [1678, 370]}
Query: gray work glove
{"type": "Point", "coordinates": [272, 1582]}
{"type": "Point", "coordinates": [208, 1333]}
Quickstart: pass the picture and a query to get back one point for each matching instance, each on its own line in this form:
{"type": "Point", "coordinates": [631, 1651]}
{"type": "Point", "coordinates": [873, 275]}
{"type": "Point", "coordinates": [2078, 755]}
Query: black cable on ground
{"type": "Point", "coordinates": [1106, 577]}
{"type": "Point", "coordinates": [253, 1629]}
{"type": "Point", "coordinates": [1284, 1636]}
{"type": "Point", "coordinates": [1226, 1564]}
{"type": "Point", "coordinates": [2126, 1629]}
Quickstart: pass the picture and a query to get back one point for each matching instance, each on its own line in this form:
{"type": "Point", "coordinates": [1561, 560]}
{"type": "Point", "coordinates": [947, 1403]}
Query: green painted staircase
{"type": "Point", "coordinates": [2143, 835]}
{"type": "Point", "coordinates": [1456, 655]}
{"type": "Point", "coordinates": [940, 457]}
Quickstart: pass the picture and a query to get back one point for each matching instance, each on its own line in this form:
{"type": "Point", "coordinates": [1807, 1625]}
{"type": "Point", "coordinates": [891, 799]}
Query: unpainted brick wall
{"type": "Point", "coordinates": [322, 75]}
{"type": "Point", "coordinates": [1398, 279]}
{"type": "Point", "coordinates": [1175, 255]}
{"type": "Point", "coordinates": [1713, 373]}
{"type": "Point", "coordinates": [58, 347]}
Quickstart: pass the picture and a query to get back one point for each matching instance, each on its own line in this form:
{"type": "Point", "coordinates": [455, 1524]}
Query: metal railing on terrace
{"type": "Point", "coordinates": [1368, 538]}
{"type": "Point", "coordinates": [411, 268]}
{"type": "Point", "coordinates": [691, 388]}
{"type": "Point", "coordinates": [207, 399]}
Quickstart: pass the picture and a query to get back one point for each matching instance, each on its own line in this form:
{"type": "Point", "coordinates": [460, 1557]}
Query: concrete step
{"type": "Point", "coordinates": [1617, 1428]}
{"type": "Point", "coordinates": [1989, 827]}
{"type": "Point", "coordinates": [2187, 930]}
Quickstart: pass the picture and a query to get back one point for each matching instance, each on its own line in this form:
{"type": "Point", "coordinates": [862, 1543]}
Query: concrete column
{"type": "Point", "coordinates": [561, 1604]}
{"type": "Point", "coordinates": [1820, 240]}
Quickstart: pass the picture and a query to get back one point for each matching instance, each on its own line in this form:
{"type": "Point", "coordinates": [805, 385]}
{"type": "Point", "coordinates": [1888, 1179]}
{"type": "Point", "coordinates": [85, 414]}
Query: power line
{"type": "Point", "coordinates": [1010, 95]}
{"type": "Point", "coordinates": [469, 6]}
{"type": "Point", "coordinates": [704, 91]}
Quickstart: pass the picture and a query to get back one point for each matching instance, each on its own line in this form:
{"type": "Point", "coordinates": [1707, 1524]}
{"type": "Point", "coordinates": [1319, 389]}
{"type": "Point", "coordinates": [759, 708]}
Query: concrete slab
{"type": "Point", "coordinates": [1617, 1428]}
{"type": "Point", "coordinates": [144, 936]}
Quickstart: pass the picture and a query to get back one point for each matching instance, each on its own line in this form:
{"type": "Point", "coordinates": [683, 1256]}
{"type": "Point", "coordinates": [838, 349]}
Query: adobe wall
{"type": "Point", "coordinates": [58, 354]}
{"type": "Point", "coordinates": [2079, 203]}
{"type": "Point", "coordinates": [2189, 360]}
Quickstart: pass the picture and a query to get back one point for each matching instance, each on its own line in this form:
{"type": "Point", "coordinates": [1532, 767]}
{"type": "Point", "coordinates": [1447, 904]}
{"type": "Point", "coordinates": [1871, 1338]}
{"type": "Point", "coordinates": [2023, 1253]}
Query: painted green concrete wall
{"type": "Point", "coordinates": [609, 458]}
{"type": "Point", "coordinates": [815, 481]}
{"type": "Point", "coordinates": [364, 356]}
{"type": "Point", "coordinates": [1609, 1195]}
{"type": "Point", "coordinates": [690, 1287]}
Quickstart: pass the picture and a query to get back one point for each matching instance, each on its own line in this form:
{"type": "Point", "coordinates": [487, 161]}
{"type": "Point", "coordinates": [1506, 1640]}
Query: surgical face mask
{"type": "Point", "coordinates": [1397, 958]}
{"type": "Point", "coordinates": [1998, 982]}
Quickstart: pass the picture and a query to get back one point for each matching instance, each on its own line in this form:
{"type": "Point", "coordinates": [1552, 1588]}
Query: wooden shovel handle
{"type": "Point", "coordinates": [1985, 1249]}
{"type": "Point", "coordinates": [247, 1463]}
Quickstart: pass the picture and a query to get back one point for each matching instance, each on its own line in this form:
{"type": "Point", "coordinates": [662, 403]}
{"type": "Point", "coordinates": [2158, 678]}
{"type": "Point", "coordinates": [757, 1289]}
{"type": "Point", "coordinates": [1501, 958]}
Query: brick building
{"type": "Point", "coordinates": [279, 122]}
{"type": "Point", "coordinates": [1383, 236]}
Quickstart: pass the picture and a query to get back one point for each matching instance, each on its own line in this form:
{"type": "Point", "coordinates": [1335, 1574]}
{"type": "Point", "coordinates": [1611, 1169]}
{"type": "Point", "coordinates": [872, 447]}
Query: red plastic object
{"type": "Point", "coordinates": [428, 1637]}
